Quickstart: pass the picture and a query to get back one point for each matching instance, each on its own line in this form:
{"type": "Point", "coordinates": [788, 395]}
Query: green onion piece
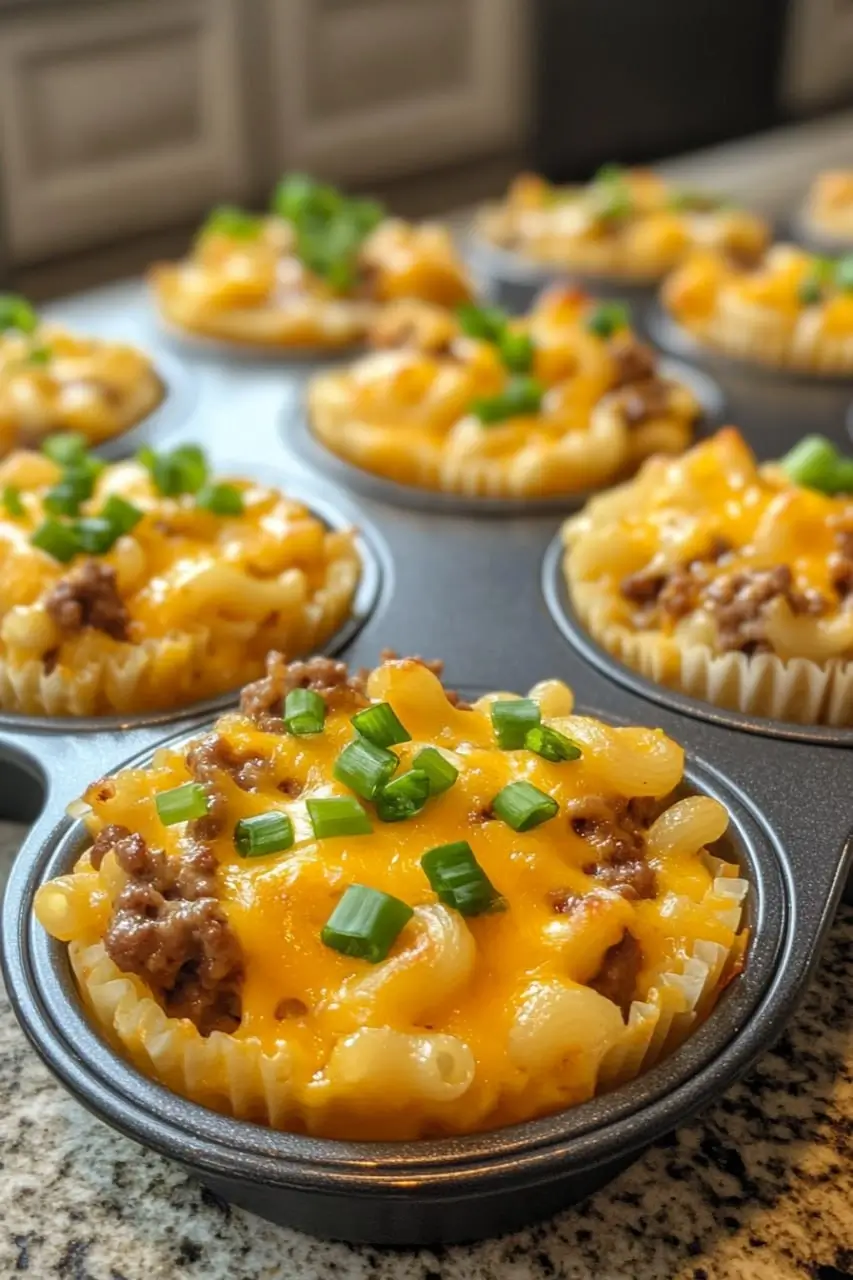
{"type": "Point", "coordinates": [184, 470]}
{"type": "Point", "coordinates": [298, 197]}
{"type": "Point", "coordinates": [337, 816]}
{"type": "Point", "coordinates": [16, 313]}
{"type": "Point", "coordinates": [364, 767]}
{"type": "Point", "coordinates": [550, 744]}
{"type": "Point", "coordinates": [522, 806]}
{"type": "Point", "coordinates": [459, 881]}
{"type": "Point", "coordinates": [180, 804]}
{"type": "Point", "coordinates": [95, 534]}
{"type": "Point", "coordinates": [380, 725]}
{"type": "Point", "coordinates": [58, 540]}
{"type": "Point", "coordinates": [687, 200]}
{"type": "Point", "coordinates": [12, 501]}
{"type": "Point", "coordinates": [264, 833]}
{"type": "Point", "coordinates": [610, 172]}
{"type": "Point", "coordinates": [439, 771]}
{"type": "Point", "coordinates": [809, 291]}
{"type": "Point", "coordinates": [517, 351]}
{"type": "Point", "coordinates": [121, 514]}
{"type": "Point", "coordinates": [228, 220]}
{"type": "Point", "coordinates": [366, 923]}
{"type": "Point", "coordinates": [222, 499]}
{"type": "Point", "coordinates": [64, 499]}
{"type": "Point", "coordinates": [812, 463]}
{"type": "Point", "coordinates": [304, 712]}
{"type": "Point", "coordinates": [522, 395]}
{"type": "Point", "coordinates": [842, 480]}
{"type": "Point", "coordinates": [610, 194]}
{"type": "Point", "coordinates": [40, 355]}
{"type": "Point", "coordinates": [608, 318]}
{"type": "Point", "coordinates": [512, 719]}
{"type": "Point", "coordinates": [486, 323]}
{"type": "Point", "coordinates": [403, 797]}
{"type": "Point", "coordinates": [844, 273]}
{"type": "Point", "coordinates": [66, 449]}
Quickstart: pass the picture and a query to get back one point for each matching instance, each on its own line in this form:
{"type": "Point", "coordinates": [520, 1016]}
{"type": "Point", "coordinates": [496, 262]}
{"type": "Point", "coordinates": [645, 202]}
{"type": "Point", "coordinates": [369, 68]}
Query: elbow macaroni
{"type": "Point", "coordinates": [471, 1021]}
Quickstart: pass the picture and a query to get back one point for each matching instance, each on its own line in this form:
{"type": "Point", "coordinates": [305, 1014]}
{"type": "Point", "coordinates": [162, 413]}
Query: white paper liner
{"type": "Point", "coordinates": [797, 689]}
{"type": "Point", "coordinates": [173, 670]}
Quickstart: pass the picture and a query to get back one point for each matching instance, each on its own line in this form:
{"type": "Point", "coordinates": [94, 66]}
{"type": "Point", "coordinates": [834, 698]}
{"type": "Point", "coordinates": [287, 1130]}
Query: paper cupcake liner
{"type": "Point", "coordinates": [238, 1077]}
{"type": "Point", "coordinates": [569, 464]}
{"type": "Point", "coordinates": [176, 669]}
{"type": "Point", "coordinates": [796, 689]}
{"type": "Point", "coordinates": [762, 337]}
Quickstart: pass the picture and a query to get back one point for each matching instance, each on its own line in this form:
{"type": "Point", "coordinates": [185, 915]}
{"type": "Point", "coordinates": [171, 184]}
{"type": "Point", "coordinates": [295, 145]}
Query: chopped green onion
{"type": "Point", "coordinates": [297, 197]}
{"type": "Point", "coordinates": [12, 501]}
{"type": "Point", "coordinates": [403, 797]}
{"type": "Point", "coordinates": [121, 514]}
{"type": "Point", "coordinates": [522, 806]}
{"type": "Point", "coordinates": [486, 323]}
{"type": "Point", "coordinates": [380, 725]}
{"type": "Point", "coordinates": [812, 463]}
{"type": "Point", "coordinates": [552, 745]}
{"type": "Point", "coordinates": [610, 172]}
{"type": "Point", "coordinates": [366, 923]}
{"type": "Point", "coordinates": [304, 712]}
{"type": "Point", "coordinates": [439, 771]}
{"type": "Point", "coordinates": [842, 480]}
{"type": "Point", "coordinates": [64, 499]}
{"type": "Point", "coordinates": [337, 816]}
{"type": "Point", "coordinates": [522, 395]}
{"type": "Point", "coordinates": [610, 195]}
{"type": "Point", "coordinates": [686, 200]}
{"type": "Point", "coordinates": [459, 880]}
{"type": "Point", "coordinates": [364, 767]}
{"type": "Point", "coordinates": [809, 291]}
{"type": "Point", "coordinates": [16, 313]}
{"type": "Point", "coordinates": [228, 220]}
{"type": "Point", "coordinates": [222, 499]}
{"type": "Point", "coordinates": [57, 539]}
{"type": "Point", "coordinates": [263, 833]}
{"type": "Point", "coordinates": [844, 273]}
{"type": "Point", "coordinates": [517, 351]}
{"type": "Point", "coordinates": [184, 470]}
{"type": "Point", "coordinates": [512, 719]}
{"type": "Point", "coordinates": [66, 449]}
{"type": "Point", "coordinates": [39, 355]}
{"type": "Point", "coordinates": [95, 534]}
{"type": "Point", "coordinates": [180, 804]}
{"type": "Point", "coordinates": [608, 318]}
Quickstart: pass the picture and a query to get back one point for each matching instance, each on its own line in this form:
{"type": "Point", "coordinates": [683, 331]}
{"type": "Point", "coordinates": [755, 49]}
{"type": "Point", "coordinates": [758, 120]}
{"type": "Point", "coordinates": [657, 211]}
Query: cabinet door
{"type": "Point", "coordinates": [117, 119]}
{"type": "Point", "coordinates": [365, 89]}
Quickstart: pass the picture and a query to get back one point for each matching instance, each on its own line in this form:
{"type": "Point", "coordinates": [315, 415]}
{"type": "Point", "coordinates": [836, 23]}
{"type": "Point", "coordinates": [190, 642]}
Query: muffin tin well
{"type": "Point", "coordinates": [469, 591]}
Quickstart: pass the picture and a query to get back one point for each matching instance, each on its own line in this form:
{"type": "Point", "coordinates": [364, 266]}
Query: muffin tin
{"type": "Point", "coordinates": [483, 592]}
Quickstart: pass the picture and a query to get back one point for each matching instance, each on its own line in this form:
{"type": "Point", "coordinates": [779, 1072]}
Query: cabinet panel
{"type": "Point", "coordinates": [119, 119]}
{"type": "Point", "coordinates": [371, 88]}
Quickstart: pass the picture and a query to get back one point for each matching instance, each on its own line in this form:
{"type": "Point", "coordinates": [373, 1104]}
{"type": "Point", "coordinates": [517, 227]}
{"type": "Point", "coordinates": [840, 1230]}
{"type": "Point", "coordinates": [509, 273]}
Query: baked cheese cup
{"type": "Point", "coordinates": [626, 224]}
{"type": "Point", "coordinates": [312, 275]}
{"type": "Point", "coordinates": [728, 581]}
{"type": "Point", "coordinates": [151, 584]}
{"type": "Point", "coordinates": [827, 213]}
{"type": "Point", "coordinates": [792, 310]}
{"type": "Point", "coordinates": [361, 908]}
{"type": "Point", "coordinates": [560, 401]}
{"type": "Point", "coordinates": [52, 380]}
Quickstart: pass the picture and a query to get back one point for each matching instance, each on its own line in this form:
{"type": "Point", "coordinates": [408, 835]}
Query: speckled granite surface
{"type": "Point", "coordinates": [760, 1189]}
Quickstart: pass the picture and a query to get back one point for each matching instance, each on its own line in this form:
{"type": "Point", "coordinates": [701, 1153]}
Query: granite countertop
{"type": "Point", "coordinates": [761, 1188]}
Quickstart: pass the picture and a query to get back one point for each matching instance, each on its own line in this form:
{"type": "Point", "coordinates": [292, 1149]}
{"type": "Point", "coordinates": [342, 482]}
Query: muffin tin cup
{"type": "Point", "coordinates": [301, 440]}
{"type": "Point", "coordinates": [445, 1189]}
{"type": "Point", "coordinates": [469, 591]}
{"type": "Point", "coordinates": [217, 350]}
{"type": "Point", "coordinates": [175, 410]}
{"type": "Point", "coordinates": [513, 281]}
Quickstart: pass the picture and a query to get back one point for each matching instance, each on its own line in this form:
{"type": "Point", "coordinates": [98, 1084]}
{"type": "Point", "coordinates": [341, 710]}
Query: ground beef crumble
{"type": "Point", "coordinates": [262, 701]}
{"type": "Point", "coordinates": [635, 361]}
{"type": "Point", "coordinates": [88, 597]}
{"type": "Point", "coordinates": [615, 831]}
{"type": "Point", "coordinates": [617, 977]}
{"type": "Point", "coordinates": [168, 928]}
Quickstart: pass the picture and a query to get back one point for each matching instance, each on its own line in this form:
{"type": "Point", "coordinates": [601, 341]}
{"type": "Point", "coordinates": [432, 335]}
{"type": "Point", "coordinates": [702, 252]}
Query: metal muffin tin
{"type": "Point", "coordinates": [469, 591]}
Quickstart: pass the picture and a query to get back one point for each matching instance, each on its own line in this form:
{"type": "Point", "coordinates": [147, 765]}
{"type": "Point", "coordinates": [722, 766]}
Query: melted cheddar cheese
{"type": "Point", "coordinates": [786, 311]}
{"type": "Point", "coordinates": [829, 206]}
{"type": "Point", "coordinates": [471, 1021]}
{"type": "Point", "coordinates": [406, 411]}
{"type": "Point", "coordinates": [630, 224]}
{"type": "Point", "coordinates": [52, 380]}
{"type": "Point", "coordinates": [256, 291]}
{"type": "Point", "coordinates": [204, 596]}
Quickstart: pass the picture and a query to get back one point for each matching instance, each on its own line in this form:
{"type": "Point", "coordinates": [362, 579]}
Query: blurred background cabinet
{"type": "Point", "coordinates": [127, 116]}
